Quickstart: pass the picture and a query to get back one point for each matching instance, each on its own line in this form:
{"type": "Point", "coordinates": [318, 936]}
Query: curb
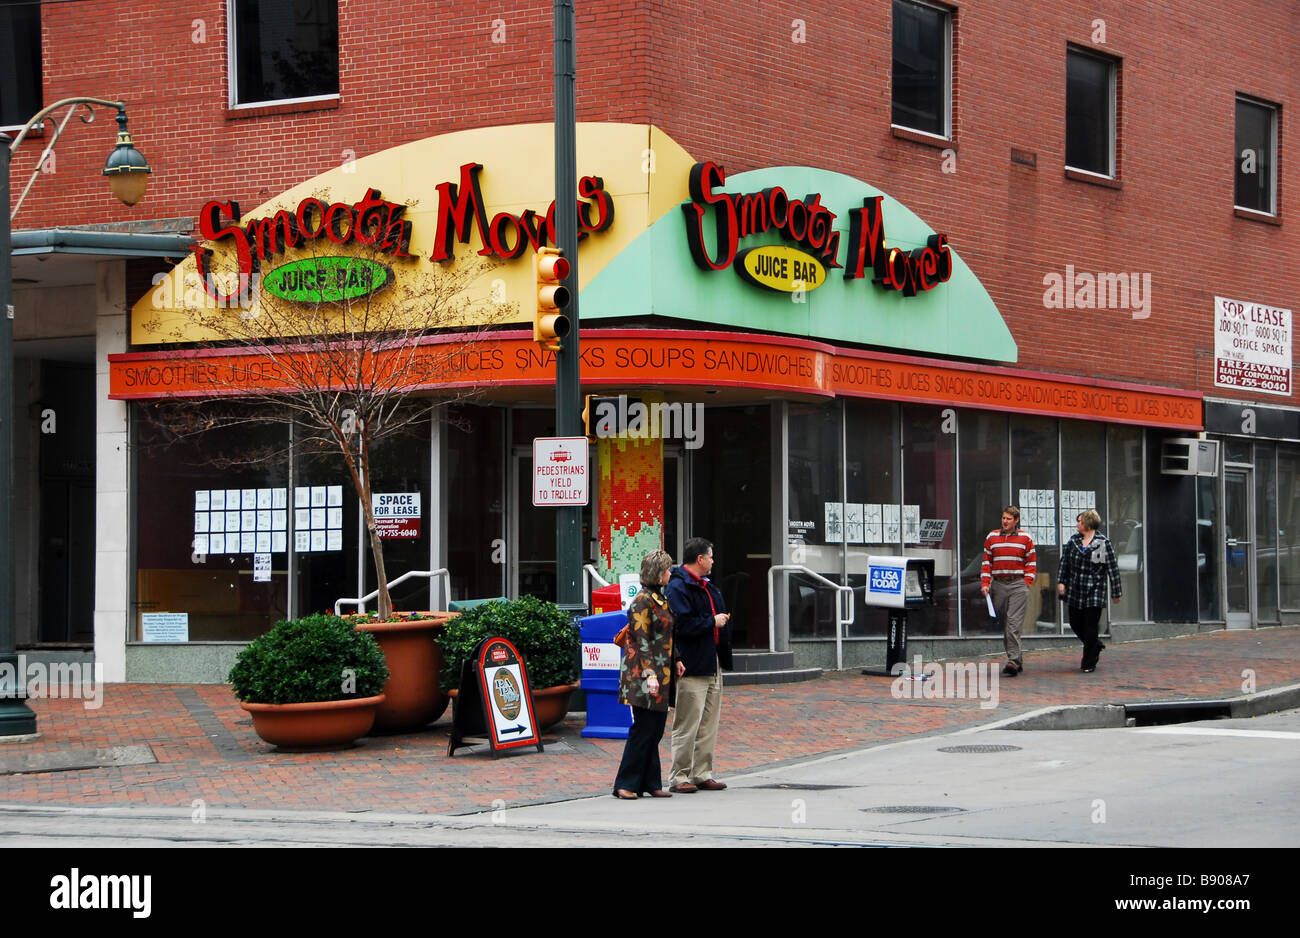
{"type": "Point", "coordinates": [1109, 716]}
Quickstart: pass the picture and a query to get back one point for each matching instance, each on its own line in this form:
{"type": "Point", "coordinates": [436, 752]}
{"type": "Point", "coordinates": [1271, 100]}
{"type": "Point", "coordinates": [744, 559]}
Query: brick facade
{"type": "Point", "coordinates": [732, 82]}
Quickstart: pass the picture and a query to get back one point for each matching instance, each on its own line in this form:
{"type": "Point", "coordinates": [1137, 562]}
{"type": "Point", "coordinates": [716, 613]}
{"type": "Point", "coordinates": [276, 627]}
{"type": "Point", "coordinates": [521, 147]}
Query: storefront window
{"type": "Point", "coordinates": [1288, 535]}
{"type": "Point", "coordinates": [732, 482]}
{"type": "Point", "coordinates": [929, 510]}
{"type": "Point", "coordinates": [873, 514]}
{"type": "Point", "coordinates": [210, 527]}
{"type": "Point", "coordinates": [534, 534]}
{"type": "Point", "coordinates": [815, 527]}
{"type": "Point", "coordinates": [474, 501]}
{"type": "Point", "coordinates": [1266, 538]}
{"type": "Point", "coordinates": [1124, 527]}
{"type": "Point", "coordinates": [984, 493]}
{"type": "Point", "coordinates": [404, 514]}
{"type": "Point", "coordinates": [326, 533]}
{"type": "Point", "coordinates": [1034, 476]}
{"type": "Point", "coordinates": [1207, 548]}
{"type": "Point", "coordinates": [1083, 479]}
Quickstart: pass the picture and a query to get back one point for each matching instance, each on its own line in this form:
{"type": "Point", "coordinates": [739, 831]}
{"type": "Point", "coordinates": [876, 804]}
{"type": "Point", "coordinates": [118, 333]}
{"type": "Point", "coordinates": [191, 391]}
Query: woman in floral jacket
{"type": "Point", "coordinates": [1088, 561]}
{"type": "Point", "coordinates": [646, 680]}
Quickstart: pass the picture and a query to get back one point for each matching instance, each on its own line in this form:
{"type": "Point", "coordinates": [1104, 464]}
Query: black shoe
{"type": "Point", "coordinates": [1011, 669]}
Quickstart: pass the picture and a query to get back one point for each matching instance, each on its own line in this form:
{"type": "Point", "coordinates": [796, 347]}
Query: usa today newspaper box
{"type": "Point", "coordinates": [606, 717]}
{"type": "Point", "coordinates": [898, 584]}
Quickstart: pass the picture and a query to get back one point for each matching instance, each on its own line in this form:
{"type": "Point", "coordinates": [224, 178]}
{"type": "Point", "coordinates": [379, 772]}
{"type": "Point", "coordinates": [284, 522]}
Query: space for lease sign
{"type": "Point", "coordinates": [397, 514]}
{"type": "Point", "coordinates": [559, 471]}
{"type": "Point", "coordinates": [1252, 346]}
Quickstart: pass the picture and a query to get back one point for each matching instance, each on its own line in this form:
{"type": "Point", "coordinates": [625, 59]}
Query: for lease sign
{"type": "Point", "coordinates": [1252, 346]}
{"type": "Point", "coordinates": [397, 514]}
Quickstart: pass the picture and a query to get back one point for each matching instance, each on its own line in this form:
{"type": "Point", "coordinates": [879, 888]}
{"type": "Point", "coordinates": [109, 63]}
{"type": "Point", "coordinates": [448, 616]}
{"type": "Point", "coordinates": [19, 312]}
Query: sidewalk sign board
{"type": "Point", "coordinates": [495, 704]}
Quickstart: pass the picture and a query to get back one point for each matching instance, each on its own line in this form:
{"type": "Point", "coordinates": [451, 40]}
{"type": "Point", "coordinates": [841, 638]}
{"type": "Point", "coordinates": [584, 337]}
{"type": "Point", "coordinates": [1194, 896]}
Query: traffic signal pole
{"type": "Point", "coordinates": [568, 379]}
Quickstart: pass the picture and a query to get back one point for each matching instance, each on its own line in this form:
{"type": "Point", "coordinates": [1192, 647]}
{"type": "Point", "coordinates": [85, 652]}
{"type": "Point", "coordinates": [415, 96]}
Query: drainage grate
{"type": "Point", "coordinates": [1164, 713]}
{"type": "Point", "coordinates": [797, 786]}
{"type": "Point", "coordinates": [980, 749]}
{"type": "Point", "coordinates": [912, 809]}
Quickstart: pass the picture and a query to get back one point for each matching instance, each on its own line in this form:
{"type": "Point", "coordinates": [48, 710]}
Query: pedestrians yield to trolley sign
{"type": "Point", "coordinates": [559, 471]}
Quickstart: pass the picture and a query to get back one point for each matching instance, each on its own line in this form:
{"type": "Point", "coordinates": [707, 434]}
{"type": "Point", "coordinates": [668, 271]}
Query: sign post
{"type": "Point", "coordinates": [568, 368]}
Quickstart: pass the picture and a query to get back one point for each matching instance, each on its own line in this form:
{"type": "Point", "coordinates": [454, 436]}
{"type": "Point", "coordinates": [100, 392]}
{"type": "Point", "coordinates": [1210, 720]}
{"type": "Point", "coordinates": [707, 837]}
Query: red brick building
{"type": "Point", "coordinates": [1103, 171]}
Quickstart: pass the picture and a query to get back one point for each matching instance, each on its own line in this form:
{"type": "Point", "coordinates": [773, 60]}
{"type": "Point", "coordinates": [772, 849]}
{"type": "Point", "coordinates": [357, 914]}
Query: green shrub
{"type": "Point", "coordinates": [316, 658]}
{"type": "Point", "coordinates": [545, 636]}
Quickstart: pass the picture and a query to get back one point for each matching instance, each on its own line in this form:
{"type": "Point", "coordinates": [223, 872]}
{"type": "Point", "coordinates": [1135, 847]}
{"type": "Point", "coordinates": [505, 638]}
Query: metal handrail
{"type": "Point", "coordinates": [590, 573]}
{"type": "Point", "coordinates": [360, 601]}
{"type": "Point", "coordinates": [840, 620]}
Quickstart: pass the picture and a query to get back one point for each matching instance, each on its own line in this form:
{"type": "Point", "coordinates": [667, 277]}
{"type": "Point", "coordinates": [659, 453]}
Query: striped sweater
{"type": "Point", "coordinates": [1008, 555]}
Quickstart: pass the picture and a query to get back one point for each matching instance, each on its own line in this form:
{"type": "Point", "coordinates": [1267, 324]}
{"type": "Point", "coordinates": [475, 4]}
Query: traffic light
{"type": "Point", "coordinates": [550, 325]}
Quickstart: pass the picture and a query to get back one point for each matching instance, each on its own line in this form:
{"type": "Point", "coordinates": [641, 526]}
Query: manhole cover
{"type": "Point", "coordinates": [980, 749]}
{"type": "Point", "coordinates": [912, 809]}
{"type": "Point", "coordinates": [795, 786]}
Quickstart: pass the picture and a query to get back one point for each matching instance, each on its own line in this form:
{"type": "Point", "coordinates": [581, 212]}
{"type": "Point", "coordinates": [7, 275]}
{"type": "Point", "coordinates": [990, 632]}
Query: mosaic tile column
{"type": "Point", "coordinates": [630, 505]}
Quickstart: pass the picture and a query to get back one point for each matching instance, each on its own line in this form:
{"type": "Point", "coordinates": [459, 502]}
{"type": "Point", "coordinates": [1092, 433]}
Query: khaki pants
{"type": "Point", "coordinates": [1010, 599]}
{"type": "Point", "coordinates": [695, 728]}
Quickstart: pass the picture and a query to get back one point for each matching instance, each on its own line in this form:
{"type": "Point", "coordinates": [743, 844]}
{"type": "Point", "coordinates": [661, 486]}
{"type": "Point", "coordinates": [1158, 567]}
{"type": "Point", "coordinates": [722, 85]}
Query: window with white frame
{"type": "Point", "coordinates": [1090, 105]}
{"type": "Point", "coordinates": [283, 50]}
{"type": "Point", "coordinates": [1256, 156]}
{"type": "Point", "coordinates": [922, 69]}
{"type": "Point", "coordinates": [20, 61]}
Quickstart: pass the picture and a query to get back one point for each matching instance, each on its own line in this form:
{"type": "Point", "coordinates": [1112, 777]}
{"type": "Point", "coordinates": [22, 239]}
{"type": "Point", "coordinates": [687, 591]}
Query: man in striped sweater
{"type": "Point", "coordinates": [1008, 570]}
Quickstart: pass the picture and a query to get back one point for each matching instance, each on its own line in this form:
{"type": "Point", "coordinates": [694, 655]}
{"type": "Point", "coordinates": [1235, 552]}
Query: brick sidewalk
{"type": "Point", "coordinates": [206, 748]}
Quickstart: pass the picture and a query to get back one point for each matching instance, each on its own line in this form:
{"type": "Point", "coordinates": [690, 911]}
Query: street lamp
{"type": "Point", "coordinates": [128, 172]}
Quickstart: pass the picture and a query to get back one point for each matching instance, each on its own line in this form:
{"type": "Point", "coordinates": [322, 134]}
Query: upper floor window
{"type": "Point", "coordinates": [1090, 112]}
{"type": "Point", "coordinates": [922, 70]}
{"type": "Point", "coordinates": [1256, 156]}
{"type": "Point", "coordinates": [20, 61]}
{"type": "Point", "coordinates": [283, 50]}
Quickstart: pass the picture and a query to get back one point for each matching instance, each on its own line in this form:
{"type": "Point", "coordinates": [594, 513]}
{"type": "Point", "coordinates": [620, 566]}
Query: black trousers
{"type": "Point", "coordinates": [1085, 624]}
{"type": "Point", "coordinates": [638, 772]}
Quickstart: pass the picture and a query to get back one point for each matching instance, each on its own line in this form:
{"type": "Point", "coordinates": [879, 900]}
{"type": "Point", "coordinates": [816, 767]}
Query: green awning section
{"type": "Point", "coordinates": [656, 276]}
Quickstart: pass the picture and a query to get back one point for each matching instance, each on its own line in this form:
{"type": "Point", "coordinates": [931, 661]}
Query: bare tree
{"type": "Point", "coordinates": [347, 364]}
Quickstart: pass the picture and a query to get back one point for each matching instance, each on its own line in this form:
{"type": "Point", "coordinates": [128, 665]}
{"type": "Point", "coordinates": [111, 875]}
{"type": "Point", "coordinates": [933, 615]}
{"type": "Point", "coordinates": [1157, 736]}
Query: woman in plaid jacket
{"type": "Point", "coordinates": [1087, 561]}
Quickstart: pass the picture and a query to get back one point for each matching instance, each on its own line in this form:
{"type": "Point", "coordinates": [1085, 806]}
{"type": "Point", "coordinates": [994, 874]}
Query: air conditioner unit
{"type": "Point", "coordinates": [1189, 457]}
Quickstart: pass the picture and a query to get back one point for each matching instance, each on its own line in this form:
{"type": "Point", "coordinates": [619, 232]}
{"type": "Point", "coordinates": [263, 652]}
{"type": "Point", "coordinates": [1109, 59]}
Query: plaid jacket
{"type": "Point", "coordinates": [1084, 572]}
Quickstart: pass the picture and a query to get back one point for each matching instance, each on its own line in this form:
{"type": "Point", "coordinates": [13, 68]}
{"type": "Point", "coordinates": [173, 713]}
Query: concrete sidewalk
{"type": "Point", "coordinates": [170, 744]}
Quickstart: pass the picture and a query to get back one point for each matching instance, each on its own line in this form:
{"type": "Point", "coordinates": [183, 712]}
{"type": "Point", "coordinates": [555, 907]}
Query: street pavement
{"type": "Point", "coordinates": [191, 750]}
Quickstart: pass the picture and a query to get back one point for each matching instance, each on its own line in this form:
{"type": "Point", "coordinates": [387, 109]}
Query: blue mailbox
{"type": "Point", "coordinates": [606, 717]}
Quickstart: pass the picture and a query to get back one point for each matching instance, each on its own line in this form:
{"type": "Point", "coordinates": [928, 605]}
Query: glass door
{"type": "Point", "coordinates": [674, 501]}
{"type": "Point", "coordinates": [533, 568]}
{"type": "Point", "coordinates": [1239, 548]}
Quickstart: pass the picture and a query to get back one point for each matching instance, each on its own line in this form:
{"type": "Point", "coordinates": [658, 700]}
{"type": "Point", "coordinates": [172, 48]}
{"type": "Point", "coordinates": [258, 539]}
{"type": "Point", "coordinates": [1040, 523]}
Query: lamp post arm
{"type": "Point", "coordinates": [71, 104]}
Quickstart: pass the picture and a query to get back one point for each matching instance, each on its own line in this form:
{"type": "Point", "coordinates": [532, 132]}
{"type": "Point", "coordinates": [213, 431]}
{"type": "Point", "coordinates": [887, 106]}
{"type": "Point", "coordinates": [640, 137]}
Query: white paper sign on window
{"type": "Point", "coordinates": [164, 627]}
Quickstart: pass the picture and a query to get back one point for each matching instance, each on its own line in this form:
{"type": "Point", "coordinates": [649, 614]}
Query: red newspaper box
{"type": "Point", "coordinates": [606, 599]}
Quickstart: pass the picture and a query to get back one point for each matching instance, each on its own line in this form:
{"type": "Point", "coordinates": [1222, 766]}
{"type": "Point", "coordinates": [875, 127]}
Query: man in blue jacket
{"type": "Point", "coordinates": [702, 642]}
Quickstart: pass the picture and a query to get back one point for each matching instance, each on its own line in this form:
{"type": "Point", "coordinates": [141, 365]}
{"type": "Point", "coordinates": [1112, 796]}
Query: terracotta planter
{"type": "Point", "coordinates": [550, 704]}
{"type": "Point", "coordinates": [328, 724]}
{"type": "Point", "coordinates": [413, 697]}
